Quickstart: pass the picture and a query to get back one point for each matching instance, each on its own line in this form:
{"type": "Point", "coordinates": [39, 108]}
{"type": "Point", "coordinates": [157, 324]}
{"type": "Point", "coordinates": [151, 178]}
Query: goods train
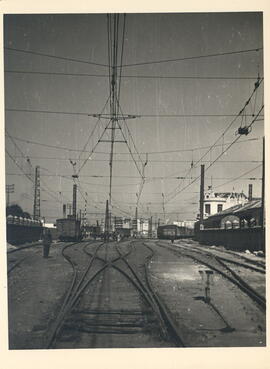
{"type": "Point", "coordinates": [174, 232]}
{"type": "Point", "coordinates": [69, 229]}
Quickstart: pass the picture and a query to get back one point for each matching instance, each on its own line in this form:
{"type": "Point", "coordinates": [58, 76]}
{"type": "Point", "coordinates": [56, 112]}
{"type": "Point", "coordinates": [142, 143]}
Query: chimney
{"type": "Point", "coordinates": [250, 192]}
{"type": "Point", "coordinates": [64, 210]}
{"type": "Point", "coordinates": [74, 204]}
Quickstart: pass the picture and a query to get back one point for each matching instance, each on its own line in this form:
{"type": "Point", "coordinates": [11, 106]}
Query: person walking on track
{"type": "Point", "coordinates": [47, 240]}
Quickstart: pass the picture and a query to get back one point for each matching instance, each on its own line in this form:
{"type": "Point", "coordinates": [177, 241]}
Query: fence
{"type": "Point", "coordinates": [240, 239]}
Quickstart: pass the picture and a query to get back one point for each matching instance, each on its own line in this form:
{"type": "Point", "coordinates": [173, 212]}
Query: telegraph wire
{"type": "Point", "coordinates": [93, 130]}
{"type": "Point", "coordinates": [129, 76]}
{"type": "Point", "coordinates": [106, 176]}
{"type": "Point", "coordinates": [29, 176]}
{"type": "Point", "coordinates": [93, 149]}
{"type": "Point", "coordinates": [131, 115]}
{"type": "Point", "coordinates": [241, 176]}
{"type": "Point", "coordinates": [128, 160]}
{"type": "Point", "coordinates": [225, 150]}
{"type": "Point", "coordinates": [54, 56]}
{"type": "Point", "coordinates": [134, 64]}
{"type": "Point", "coordinates": [134, 153]}
{"type": "Point", "coordinates": [192, 57]}
{"type": "Point", "coordinates": [256, 86]}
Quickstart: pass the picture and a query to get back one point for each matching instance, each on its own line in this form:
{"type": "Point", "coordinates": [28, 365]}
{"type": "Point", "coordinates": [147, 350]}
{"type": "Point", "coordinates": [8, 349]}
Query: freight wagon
{"type": "Point", "coordinates": [69, 229]}
{"type": "Point", "coordinates": [174, 232]}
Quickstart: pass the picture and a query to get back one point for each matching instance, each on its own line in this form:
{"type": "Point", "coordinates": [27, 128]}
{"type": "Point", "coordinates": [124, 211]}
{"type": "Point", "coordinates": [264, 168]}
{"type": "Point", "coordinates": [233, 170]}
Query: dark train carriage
{"type": "Point", "coordinates": [168, 232]}
{"type": "Point", "coordinates": [173, 232]}
{"type": "Point", "coordinates": [95, 232]}
{"type": "Point", "coordinates": [69, 229]}
{"type": "Point", "coordinates": [124, 232]}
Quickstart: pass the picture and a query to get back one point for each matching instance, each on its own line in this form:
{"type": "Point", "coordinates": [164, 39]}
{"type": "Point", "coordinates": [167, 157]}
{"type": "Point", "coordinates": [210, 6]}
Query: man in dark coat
{"type": "Point", "coordinates": [47, 240]}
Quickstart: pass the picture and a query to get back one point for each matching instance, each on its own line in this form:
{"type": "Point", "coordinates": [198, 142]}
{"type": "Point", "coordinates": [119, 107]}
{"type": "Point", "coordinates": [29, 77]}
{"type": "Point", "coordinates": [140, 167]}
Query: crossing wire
{"type": "Point", "coordinates": [128, 76]}
{"type": "Point", "coordinates": [135, 153]}
{"type": "Point", "coordinates": [191, 57]}
{"type": "Point", "coordinates": [134, 64]}
{"type": "Point", "coordinates": [256, 86]}
{"type": "Point", "coordinates": [133, 115]}
{"type": "Point", "coordinates": [227, 148]}
{"type": "Point", "coordinates": [29, 176]}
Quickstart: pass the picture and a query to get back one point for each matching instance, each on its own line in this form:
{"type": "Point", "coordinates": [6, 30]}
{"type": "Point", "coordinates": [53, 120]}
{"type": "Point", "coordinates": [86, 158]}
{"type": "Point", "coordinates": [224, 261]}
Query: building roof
{"type": "Point", "coordinates": [254, 204]}
{"type": "Point", "coordinates": [230, 194]}
{"type": "Point", "coordinates": [239, 208]}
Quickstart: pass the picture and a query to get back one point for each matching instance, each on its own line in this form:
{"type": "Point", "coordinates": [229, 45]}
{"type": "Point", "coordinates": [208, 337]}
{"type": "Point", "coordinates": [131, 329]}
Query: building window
{"type": "Point", "coordinates": [207, 208]}
{"type": "Point", "coordinates": [219, 208]}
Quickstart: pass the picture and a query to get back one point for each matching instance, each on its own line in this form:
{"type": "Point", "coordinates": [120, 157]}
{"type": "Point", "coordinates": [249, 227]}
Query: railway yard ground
{"type": "Point", "coordinates": [135, 294]}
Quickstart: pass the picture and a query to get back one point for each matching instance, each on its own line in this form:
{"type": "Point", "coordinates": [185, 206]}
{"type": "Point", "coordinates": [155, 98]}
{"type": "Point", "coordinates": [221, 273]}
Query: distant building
{"type": "Point", "coordinates": [49, 225]}
{"type": "Point", "coordinates": [121, 222]}
{"type": "Point", "coordinates": [185, 223]}
{"type": "Point", "coordinates": [246, 215]}
{"type": "Point", "coordinates": [216, 202]}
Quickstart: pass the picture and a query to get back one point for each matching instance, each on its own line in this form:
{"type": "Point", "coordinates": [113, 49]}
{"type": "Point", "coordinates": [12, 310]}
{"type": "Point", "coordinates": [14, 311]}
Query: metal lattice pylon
{"type": "Point", "coordinates": [36, 210]}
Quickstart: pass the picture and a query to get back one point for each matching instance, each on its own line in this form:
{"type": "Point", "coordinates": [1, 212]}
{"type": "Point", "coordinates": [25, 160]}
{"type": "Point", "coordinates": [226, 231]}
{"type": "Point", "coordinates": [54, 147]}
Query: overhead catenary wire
{"type": "Point", "coordinates": [94, 128]}
{"type": "Point", "coordinates": [137, 63]}
{"type": "Point", "coordinates": [30, 178]}
{"type": "Point", "coordinates": [238, 177]}
{"type": "Point", "coordinates": [36, 53]}
{"type": "Point", "coordinates": [134, 153]}
{"type": "Point", "coordinates": [43, 73]}
{"type": "Point", "coordinates": [131, 115]}
{"type": "Point", "coordinates": [93, 149]}
{"type": "Point", "coordinates": [191, 57]}
{"type": "Point", "coordinates": [160, 61]}
{"type": "Point", "coordinates": [213, 162]}
{"type": "Point", "coordinates": [256, 86]}
{"type": "Point", "coordinates": [128, 160]}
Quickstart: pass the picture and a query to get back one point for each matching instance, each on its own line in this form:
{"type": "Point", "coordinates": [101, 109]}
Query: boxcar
{"type": "Point", "coordinates": [69, 229]}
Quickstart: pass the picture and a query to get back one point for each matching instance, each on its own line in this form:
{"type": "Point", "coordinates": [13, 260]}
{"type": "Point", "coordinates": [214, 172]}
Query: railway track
{"type": "Point", "coordinates": [91, 314]}
{"type": "Point", "coordinates": [258, 266]}
{"type": "Point", "coordinates": [220, 265]}
{"type": "Point", "coordinates": [14, 258]}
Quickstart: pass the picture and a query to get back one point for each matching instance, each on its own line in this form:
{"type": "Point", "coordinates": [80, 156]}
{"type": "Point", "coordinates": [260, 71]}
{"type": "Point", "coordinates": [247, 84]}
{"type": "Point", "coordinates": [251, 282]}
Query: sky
{"type": "Point", "coordinates": [182, 107]}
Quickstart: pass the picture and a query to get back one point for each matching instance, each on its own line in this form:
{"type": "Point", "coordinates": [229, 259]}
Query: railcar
{"type": "Point", "coordinates": [173, 232]}
{"type": "Point", "coordinates": [69, 229]}
{"type": "Point", "coordinates": [96, 232]}
{"type": "Point", "coordinates": [124, 232]}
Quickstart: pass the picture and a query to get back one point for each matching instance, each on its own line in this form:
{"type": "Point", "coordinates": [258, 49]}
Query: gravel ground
{"type": "Point", "coordinates": [112, 313]}
{"type": "Point", "coordinates": [179, 284]}
{"type": "Point", "coordinates": [254, 278]}
{"type": "Point", "coordinates": [37, 286]}
{"type": "Point", "coordinates": [35, 290]}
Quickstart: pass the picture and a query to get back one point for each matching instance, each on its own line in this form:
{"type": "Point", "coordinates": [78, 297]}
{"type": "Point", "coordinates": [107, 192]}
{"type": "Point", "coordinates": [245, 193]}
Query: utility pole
{"type": "Point", "coordinates": [9, 190]}
{"type": "Point", "coordinates": [74, 202]}
{"type": "Point", "coordinates": [36, 210]}
{"type": "Point", "coordinates": [106, 230]}
{"type": "Point", "coordinates": [163, 207]}
{"type": "Point", "coordinates": [263, 180]}
{"type": "Point", "coordinates": [136, 221]}
{"type": "Point", "coordinates": [202, 195]}
{"type": "Point", "coordinates": [250, 192]}
{"type": "Point", "coordinates": [150, 227]}
{"type": "Point", "coordinates": [85, 206]}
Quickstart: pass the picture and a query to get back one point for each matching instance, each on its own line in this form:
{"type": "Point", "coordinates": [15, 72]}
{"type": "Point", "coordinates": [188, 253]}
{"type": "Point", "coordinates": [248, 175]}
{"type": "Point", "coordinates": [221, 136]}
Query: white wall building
{"type": "Point", "coordinates": [215, 202]}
